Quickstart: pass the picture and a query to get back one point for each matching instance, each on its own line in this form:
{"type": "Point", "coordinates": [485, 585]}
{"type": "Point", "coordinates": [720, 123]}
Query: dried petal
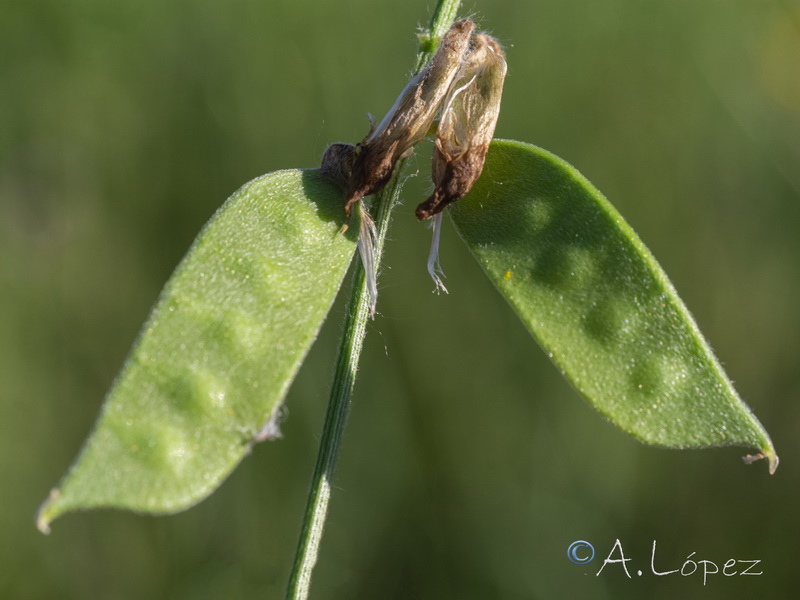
{"type": "Point", "coordinates": [434, 268]}
{"type": "Point", "coordinates": [367, 243]}
{"type": "Point", "coordinates": [467, 125]}
{"type": "Point", "coordinates": [409, 119]}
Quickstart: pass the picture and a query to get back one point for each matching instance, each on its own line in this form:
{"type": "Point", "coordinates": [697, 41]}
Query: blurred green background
{"type": "Point", "coordinates": [469, 464]}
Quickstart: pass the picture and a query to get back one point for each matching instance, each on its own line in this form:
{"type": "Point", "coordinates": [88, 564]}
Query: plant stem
{"type": "Point", "coordinates": [349, 352]}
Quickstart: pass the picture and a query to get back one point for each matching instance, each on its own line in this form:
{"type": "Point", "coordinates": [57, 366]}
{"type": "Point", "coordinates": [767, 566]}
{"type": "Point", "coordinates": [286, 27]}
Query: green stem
{"type": "Point", "coordinates": [349, 352]}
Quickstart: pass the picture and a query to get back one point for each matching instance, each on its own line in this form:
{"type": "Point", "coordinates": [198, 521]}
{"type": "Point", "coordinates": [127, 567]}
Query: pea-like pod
{"type": "Point", "coordinates": [599, 304]}
{"type": "Point", "coordinates": [215, 358]}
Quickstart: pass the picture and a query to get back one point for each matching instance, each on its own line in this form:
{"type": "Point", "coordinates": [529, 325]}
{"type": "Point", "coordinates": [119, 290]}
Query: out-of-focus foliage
{"type": "Point", "coordinates": [124, 125]}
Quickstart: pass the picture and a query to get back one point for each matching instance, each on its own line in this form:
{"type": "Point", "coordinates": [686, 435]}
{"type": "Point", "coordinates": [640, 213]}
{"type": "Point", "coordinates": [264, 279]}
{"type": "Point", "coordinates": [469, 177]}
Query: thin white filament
{"type": "Point", "coordinates": [434, 268]}
{"type": "Point", "coordinates": [457, 91]}
{"type": "Point", "coordinates": [367, 240]}
{"type": "Point", "coordinates": [448, 104]}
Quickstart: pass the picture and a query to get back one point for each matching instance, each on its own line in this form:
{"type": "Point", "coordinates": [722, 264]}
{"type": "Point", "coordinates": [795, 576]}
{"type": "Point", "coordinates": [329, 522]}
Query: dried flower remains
{"type": "Point", "coordinates": [462, 85]}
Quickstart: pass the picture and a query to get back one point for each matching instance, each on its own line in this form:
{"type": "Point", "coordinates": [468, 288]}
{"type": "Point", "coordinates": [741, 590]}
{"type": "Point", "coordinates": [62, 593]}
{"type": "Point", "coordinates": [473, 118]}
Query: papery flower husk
{"type": "Point", "coordinates": [409, 119]}
{"type": "Point", "coordinates": [467, 125]}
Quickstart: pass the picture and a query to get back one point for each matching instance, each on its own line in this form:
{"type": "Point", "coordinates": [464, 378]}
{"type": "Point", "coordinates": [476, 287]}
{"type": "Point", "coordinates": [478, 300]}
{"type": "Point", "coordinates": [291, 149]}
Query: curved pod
{"type": "Point", "coordinates": [599, 304]}
{"type": "Point", "coordinates": [218, 352]}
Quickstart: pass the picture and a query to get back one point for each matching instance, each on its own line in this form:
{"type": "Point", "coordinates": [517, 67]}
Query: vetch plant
{"type": "Point", "coordinates": [207, 376]}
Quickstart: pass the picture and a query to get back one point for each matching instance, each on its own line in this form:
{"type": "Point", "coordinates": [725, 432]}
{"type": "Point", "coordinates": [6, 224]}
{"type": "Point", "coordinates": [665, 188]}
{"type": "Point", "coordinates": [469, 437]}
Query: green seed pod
{"type": "Point", "coordinates": [599, 304]}
{"type": "Point", "coordinates": [207, 376]}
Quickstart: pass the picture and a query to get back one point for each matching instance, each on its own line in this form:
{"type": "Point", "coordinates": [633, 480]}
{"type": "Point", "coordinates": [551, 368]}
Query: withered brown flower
{"type": "Point", "coordinates": [409, 120]}
{"type": "Point", "coordinates": [463, 83]}
{"type": "Point", "coordinates": [467, 124]}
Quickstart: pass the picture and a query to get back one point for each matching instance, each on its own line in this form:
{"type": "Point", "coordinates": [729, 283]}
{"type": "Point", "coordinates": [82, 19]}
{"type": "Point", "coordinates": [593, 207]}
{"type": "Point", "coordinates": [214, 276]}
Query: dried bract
{"type": "Point", "coordinates": [467, 124]}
